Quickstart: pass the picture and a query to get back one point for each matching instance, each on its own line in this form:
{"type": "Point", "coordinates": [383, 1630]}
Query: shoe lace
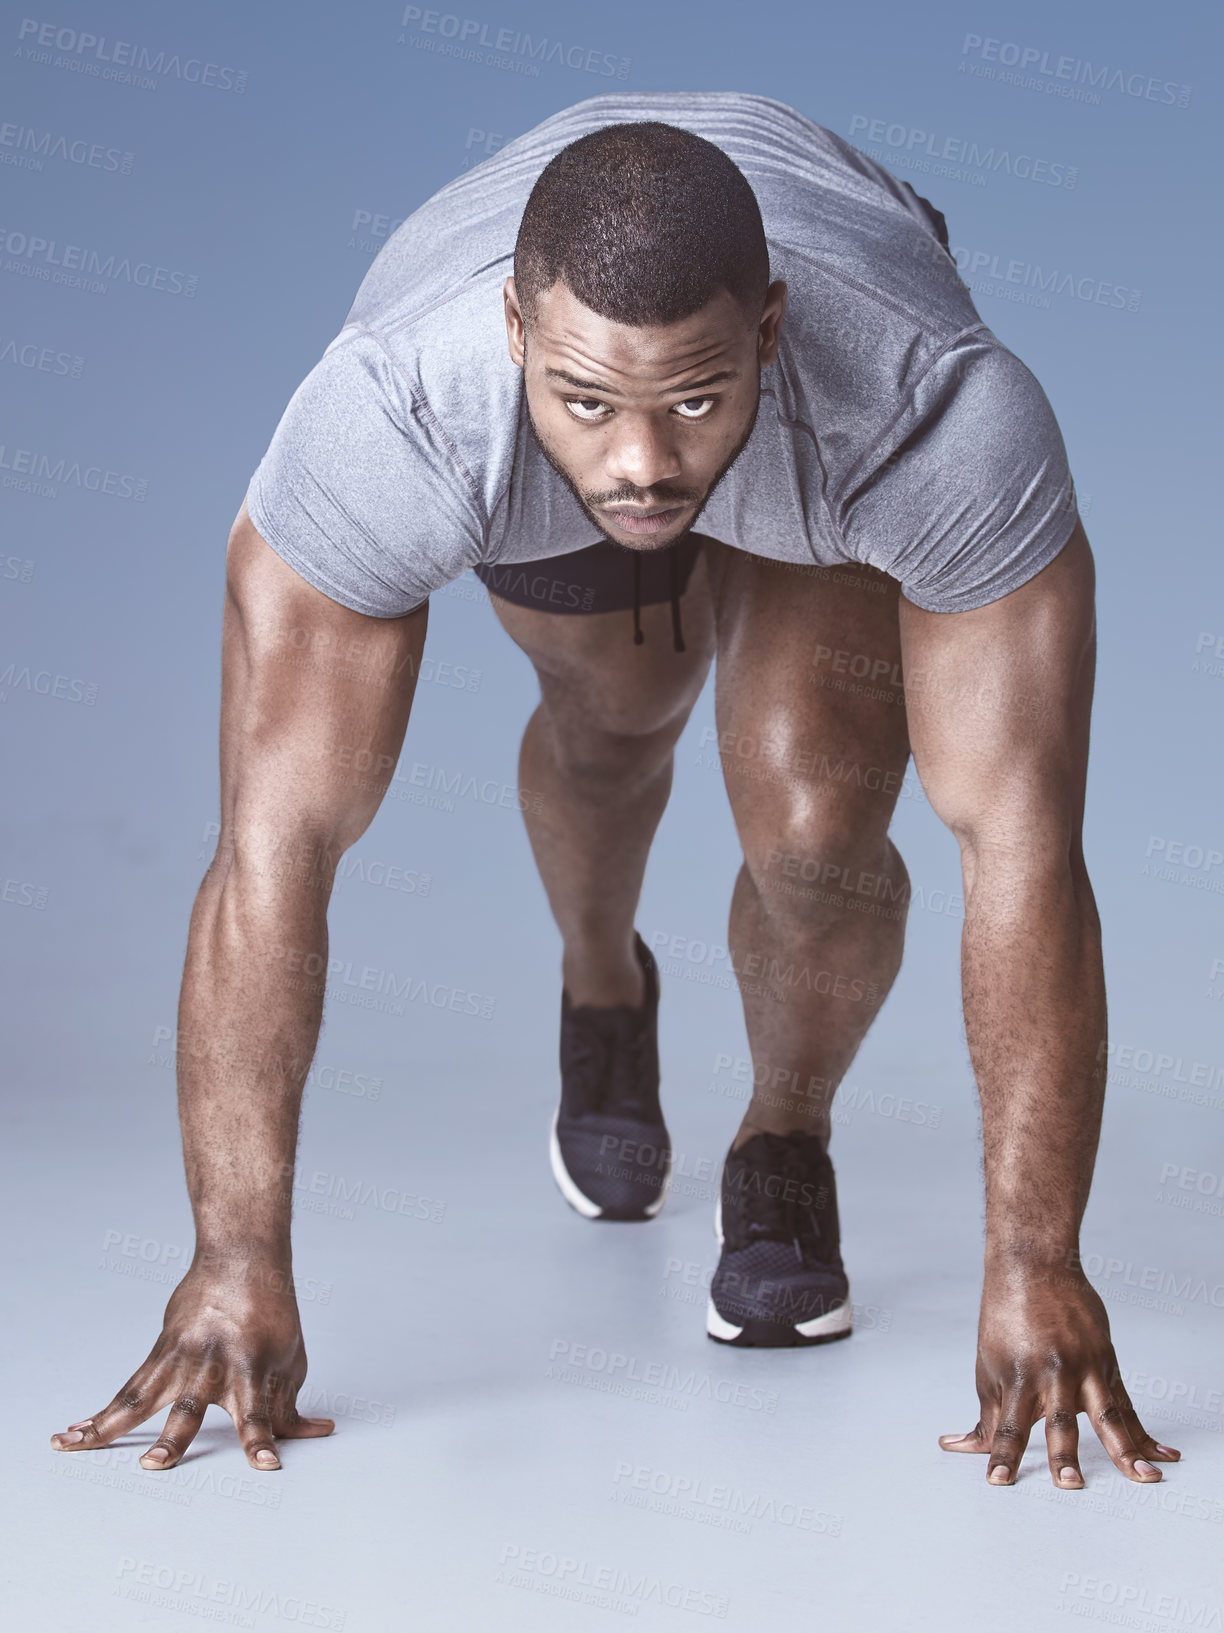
{"type": "Point", "coordinates": [792, 1213]}
{"type": "Point", "coordinates": [608, 1064]}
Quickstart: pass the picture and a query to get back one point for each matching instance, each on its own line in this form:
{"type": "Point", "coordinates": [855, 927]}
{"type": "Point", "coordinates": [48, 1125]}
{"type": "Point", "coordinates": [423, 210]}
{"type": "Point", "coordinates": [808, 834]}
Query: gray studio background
{"type": "Point", "coordinates": [533, 1429]}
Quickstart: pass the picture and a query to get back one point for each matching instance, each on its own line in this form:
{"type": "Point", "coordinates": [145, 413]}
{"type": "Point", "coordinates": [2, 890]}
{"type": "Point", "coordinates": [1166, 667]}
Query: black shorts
{"type": "Point", "coordinates": [600, 578]}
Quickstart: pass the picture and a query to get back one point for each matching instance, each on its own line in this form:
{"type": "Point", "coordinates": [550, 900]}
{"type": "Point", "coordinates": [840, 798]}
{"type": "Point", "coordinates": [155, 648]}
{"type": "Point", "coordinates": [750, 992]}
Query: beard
{"type": "Point", "coordinates": [660, 495]}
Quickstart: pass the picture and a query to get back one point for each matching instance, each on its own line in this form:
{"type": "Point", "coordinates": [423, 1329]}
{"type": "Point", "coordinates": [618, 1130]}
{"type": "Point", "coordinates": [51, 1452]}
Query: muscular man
{"type": "Point", "coordinates": [722, 315]}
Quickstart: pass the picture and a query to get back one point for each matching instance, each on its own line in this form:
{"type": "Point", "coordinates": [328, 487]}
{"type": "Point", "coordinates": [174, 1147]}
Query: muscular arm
{"type": "Point", "coordinates": [999, 701]}
{"type": "Point", "coordinates": [314, 703]}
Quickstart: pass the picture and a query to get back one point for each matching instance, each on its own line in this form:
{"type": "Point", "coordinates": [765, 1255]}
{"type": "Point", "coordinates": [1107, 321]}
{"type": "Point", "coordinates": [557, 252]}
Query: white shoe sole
{"type": "Point", "coordinates": [821, 1326]}
{"type": "Point", "coordinates": [578, 1200]}
{"type": "Point", "coordinates": [831, 1325]}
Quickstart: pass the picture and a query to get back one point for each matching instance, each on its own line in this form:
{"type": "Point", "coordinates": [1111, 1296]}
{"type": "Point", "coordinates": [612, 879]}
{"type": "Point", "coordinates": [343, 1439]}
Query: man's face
{"type": "Point", "coordinates": [642, 423]}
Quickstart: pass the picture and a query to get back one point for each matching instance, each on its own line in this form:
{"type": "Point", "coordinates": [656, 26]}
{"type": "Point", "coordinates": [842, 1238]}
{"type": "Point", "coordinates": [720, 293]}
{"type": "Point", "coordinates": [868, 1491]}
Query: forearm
{"type": "Point", "coordinates": [1035, 1020]}
{"type": "Point", "coordinates": [249, 1017]}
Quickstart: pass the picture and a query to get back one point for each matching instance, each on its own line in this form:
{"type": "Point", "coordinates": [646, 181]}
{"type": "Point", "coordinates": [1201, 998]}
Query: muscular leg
{"type": "Point", "coordinates": [813, 764]}
{"type": "Point", "coordinates": [599, 751]}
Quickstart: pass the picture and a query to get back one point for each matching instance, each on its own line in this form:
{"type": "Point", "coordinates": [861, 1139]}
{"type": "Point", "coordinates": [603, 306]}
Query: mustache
{"type": "Point", "coordinates": [625, 495]}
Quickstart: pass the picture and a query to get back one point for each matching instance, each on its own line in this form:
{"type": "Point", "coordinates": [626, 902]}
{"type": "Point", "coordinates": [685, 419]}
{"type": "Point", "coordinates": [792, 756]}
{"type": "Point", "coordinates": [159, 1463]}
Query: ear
{"type": "Point", "coordinates": [515, 328]}
{"type": "Point", "coordinates": [770, 332]}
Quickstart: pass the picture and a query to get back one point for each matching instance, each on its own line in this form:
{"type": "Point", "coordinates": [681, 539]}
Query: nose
{"type": "Point", "coordinates": [643, 453]}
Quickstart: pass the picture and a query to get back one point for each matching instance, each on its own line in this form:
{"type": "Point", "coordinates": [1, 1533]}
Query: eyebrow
{"type": "Point", "coordinates": [598, 385]}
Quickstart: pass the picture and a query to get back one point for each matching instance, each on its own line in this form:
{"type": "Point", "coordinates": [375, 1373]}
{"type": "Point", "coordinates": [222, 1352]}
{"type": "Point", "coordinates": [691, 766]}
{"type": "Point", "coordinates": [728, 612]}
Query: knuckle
{"type": "Point", "coordinates": [1060, 1420]}
{"type": "Point", "coordinates": [1111, 1416]}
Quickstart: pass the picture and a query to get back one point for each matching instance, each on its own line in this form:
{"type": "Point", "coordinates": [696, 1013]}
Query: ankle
{"type": "Point", "coordinates": [810, 1120]}
{"type": "Point", "coordinates": [604, 977]}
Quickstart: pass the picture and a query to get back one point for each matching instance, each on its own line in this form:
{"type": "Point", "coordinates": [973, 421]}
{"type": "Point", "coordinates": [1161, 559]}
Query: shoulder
{"type": "Point", "coordinates": [977, 384]}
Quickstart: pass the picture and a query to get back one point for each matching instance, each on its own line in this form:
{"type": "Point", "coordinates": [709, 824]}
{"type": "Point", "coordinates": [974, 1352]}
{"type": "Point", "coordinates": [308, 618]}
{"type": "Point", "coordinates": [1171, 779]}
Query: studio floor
{"type": "Point", "coordinates": [533, 1429]}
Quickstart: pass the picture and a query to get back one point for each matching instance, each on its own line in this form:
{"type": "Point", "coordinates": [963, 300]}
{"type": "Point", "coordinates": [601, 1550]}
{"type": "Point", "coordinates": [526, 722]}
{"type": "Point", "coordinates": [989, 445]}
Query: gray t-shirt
{"type": "Point", "coordinates": [894, 428]}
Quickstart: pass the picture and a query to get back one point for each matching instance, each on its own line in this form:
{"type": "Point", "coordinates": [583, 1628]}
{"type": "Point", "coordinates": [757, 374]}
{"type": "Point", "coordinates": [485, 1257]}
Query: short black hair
{"type": "Point", "coordinates": [644, 223]}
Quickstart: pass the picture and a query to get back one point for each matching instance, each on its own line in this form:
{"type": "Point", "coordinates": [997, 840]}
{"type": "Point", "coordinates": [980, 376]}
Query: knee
{"type": "Point", "coordinates": [814, 874]}
{"type": "Point", "coordinates": [1023, 876]}
{"type": "Point", "coordinates": [1027, 842]}
{"type": "Point", "coordinates": [591, 754]}
{"type": "Point", "coordinates": [621, 707]}
{"type": "Point", "coordinates": [617, 735]}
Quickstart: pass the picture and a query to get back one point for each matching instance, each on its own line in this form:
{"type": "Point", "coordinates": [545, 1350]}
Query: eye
{"type": "Point", "coordinates": [586, 408]}
{"type": "Point", "coordinates": [695, 408]}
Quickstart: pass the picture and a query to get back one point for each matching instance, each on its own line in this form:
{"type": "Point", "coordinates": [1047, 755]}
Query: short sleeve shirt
{"type": "Point", "coordinates": [894, 428]}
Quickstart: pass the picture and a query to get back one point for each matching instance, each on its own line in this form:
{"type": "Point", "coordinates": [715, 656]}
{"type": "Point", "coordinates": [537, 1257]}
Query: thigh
{"type": "Point", "coordinates": [809, 701]}
{"type": "Point", "coordinates": [592, 674]}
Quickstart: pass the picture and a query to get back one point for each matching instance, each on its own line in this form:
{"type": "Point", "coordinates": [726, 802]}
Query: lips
{"type": "Point", "coordinates": [645, 521]}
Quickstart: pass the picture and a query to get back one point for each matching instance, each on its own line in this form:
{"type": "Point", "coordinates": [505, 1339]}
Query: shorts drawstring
{"type": "Point", "coordinates": [673, 568]}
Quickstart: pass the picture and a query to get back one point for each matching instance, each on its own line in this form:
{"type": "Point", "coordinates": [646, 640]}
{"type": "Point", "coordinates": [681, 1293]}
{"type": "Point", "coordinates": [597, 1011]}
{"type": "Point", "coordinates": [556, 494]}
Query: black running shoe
{"type": "Point", "coordinates": [610, 1149]}
{"type": "Point", "coordinates": [780, 1280]}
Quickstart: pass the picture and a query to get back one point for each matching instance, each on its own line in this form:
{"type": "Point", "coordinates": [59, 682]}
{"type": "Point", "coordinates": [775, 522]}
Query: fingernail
{"type": "Point", "coordinates": [85, 1423]}
{"type": "Point", "coordinates": [265, 1456]}
{"type": "Point", "coordinates": [999, 1476]}
{"type": "Point", "coordinates": [1167, 1451]}
{"type": "Point", "coordinates": [1144, 1468]}
{"type": "Point", "coordinates": [71, 1437]}
{"type": "Point", "coordinates": [1070, 1476]}
{"type": "Point", "coordinates": [155, 1454]}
